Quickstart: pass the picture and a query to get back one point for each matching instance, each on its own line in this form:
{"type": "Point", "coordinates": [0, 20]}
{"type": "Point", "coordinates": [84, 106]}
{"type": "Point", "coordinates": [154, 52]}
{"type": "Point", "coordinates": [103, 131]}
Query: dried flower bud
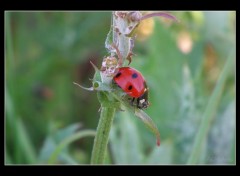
{"type": "Point", "coordinates": [108, 69]}
{"type": "Point", "coordinates": [134, 16]}
{"type": "Point", "coordinates": [121, 14]}
{"type": "Point", "coordinates": [109, 65]}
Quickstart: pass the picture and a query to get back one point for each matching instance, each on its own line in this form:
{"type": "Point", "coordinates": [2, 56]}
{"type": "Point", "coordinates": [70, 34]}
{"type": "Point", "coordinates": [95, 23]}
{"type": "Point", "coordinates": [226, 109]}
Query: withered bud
{"type": "Point", "coordinates": [109, 65]}
{"type": "Point", "coordinates": [121, 14]}
{"type": "Point", "coordinates": [134, 16]}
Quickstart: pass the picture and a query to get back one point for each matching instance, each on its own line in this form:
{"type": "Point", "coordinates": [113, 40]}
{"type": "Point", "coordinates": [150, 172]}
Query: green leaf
{"type": "Point", "coordinates": [141, 115]}
{"type": "Point", "coordinates": [26, 144]}
{"type": "Point", "coordinates": [149, 123]}
{"type": "Point", "coordinates": [23, 143]}
{"type": "Point", "coordinates": [210, 110]}
{"type": "Point", "coordinates": [52, 141]}
{"type": "Point", "coordinates": [67, 141]}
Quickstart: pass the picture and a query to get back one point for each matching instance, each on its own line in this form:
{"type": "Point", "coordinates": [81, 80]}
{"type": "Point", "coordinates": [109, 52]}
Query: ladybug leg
{"type": "Point", "coordinates": [132, 101]}
{"type": "Point", "coordinates": [138, 103]}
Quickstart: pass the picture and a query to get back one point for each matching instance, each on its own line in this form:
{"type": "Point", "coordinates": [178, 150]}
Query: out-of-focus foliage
{"type": "Point", "coordinates": [47, 51]}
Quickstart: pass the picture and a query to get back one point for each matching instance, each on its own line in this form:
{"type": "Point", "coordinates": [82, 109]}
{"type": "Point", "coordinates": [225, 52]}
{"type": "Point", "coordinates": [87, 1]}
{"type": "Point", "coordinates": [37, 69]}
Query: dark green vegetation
{"type": "Point", "coordinates": [192, 95]}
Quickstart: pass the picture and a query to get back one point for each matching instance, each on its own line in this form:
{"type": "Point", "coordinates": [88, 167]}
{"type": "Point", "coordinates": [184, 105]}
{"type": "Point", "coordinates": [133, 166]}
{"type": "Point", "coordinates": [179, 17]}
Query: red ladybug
{"type": "Point", "coordinates": [133, 83]}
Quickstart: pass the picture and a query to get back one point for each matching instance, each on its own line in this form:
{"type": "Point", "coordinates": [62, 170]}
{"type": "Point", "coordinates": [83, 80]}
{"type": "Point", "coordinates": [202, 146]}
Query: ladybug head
{"type": "Point", "coordinates": [142, 101]}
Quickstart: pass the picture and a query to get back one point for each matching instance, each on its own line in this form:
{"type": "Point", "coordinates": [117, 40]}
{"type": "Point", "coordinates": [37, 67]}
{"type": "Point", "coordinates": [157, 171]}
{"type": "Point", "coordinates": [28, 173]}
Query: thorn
{"type": "Point", "coordinates": [94, 66]}
{"type": "Point", "coordinates": [85, 88]}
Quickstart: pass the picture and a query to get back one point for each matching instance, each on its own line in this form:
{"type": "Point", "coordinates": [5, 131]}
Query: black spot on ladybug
{"type": "Point", "coordinates": [118, 74]}
{"type": "Point", "coordinates": [130, 87]}
{"type": "Point", "coordinates": [134, 75]}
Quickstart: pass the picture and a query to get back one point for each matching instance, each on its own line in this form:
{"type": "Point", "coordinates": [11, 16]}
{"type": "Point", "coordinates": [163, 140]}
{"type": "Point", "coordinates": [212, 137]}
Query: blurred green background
{"type": "Point", "coordinates": [189, 67]}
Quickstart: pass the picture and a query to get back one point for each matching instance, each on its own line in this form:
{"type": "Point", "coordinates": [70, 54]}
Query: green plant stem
{"type": "Point", "coordinates": [107, 113]}
{"type": "Point", "coordinates": [67, 141]}
{"type": "Point", "coordinates": [9, 94]}
{"type": "Point", "coordinates": [102, 135]}
{"type": "Point", "coordinates": [209, 112]}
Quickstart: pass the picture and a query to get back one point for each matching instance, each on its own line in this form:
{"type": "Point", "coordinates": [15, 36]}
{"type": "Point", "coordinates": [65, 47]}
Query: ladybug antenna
{"type": "Point", "coordinates": [120, 60]}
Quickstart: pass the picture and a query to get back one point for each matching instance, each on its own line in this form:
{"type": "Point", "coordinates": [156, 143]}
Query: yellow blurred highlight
{"type": "Point", "coordinates": [198, 17]}
{"type": "Point", "coordinates": [145, 29]}
{"type": "Point", "coordinates": [184, 42]}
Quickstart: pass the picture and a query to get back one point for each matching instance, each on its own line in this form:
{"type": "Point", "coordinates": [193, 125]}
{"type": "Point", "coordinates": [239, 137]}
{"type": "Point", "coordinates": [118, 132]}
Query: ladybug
{"type": "Point", "coordinates": [132, 82]}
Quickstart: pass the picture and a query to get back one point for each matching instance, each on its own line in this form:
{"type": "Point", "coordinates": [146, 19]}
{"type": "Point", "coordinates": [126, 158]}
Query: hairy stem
{"type": "Point", "coordinates": [102, 135]}
{"type": "Point", "coordinates": [122, 46]}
